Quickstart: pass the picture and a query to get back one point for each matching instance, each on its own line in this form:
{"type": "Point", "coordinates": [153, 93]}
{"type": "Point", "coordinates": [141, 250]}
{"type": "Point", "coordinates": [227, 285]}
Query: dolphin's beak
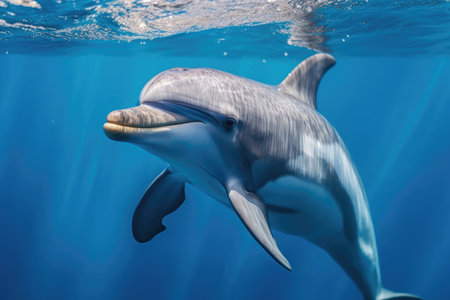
{"type": "Point", "coordinates": [125, 123]}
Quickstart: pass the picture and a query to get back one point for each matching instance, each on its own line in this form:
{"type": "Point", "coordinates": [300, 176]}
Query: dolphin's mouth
{"type": "Point", "coordinates": [124, 123]}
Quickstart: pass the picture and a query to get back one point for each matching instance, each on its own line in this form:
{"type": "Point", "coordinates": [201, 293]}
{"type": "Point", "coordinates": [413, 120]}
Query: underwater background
{"type": "Point", "coordinates": [67, 192]}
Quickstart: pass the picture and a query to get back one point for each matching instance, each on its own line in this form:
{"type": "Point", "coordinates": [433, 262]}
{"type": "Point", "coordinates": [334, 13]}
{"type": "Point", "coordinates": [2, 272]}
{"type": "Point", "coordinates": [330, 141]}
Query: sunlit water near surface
{"type": "Point", "coordinates": [258, 27]}
{"type": "Point", "coordinates": [68, 192]}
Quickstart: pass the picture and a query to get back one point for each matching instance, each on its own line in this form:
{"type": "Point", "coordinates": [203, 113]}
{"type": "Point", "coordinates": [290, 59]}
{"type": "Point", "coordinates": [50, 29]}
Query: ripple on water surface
{"type": "Point", "coordinates": [267, 27]}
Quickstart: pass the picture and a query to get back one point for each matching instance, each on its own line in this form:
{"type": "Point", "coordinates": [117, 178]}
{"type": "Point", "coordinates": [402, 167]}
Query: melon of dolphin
{"type": "Point", "coordinates": [263, 151]}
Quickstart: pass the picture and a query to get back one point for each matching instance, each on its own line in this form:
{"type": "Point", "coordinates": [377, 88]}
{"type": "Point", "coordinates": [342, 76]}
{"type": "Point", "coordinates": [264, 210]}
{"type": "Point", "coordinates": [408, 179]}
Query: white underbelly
{"type": "Point", "coordinates": [301, 208]}
{"type": "Point", "coordinates": [295, 206]}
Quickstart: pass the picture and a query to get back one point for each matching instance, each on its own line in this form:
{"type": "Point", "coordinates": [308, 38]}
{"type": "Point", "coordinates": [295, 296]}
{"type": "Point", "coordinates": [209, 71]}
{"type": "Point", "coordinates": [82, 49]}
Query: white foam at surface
{"type": "Point", "coordinates": [153, 19]}
{"type": "Point", "coordinates": [25, 3]}
{"type": "Point", "coordinates": [20, 25]}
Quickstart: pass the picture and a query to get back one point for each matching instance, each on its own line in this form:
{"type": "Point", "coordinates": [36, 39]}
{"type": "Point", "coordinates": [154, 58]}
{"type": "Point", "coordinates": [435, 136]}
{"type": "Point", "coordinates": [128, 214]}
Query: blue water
{"type": "Point", "coordinates": [67, 192]}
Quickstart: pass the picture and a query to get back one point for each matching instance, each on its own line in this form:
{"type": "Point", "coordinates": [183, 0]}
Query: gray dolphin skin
{"type": "Point", "coordinates": [263, 151]}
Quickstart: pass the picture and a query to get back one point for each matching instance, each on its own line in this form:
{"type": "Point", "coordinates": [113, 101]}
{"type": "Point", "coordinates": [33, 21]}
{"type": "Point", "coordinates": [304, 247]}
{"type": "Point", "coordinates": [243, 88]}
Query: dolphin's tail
{"type": "Point", "coordinates": [388, 295]}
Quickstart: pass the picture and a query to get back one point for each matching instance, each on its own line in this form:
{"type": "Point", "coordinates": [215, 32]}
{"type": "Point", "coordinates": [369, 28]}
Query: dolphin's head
{"type": "Point", "coordinates": [183, 118]}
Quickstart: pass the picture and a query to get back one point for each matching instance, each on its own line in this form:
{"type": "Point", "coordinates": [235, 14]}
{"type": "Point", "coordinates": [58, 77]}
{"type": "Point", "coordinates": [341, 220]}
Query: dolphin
{"type": "Point", "coordinates": [262, 150]}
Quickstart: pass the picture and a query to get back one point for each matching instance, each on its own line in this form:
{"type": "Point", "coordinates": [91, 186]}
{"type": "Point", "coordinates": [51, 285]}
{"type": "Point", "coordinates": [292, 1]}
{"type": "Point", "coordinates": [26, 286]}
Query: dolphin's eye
{"type": "Point", "coordinates": [229, 124]}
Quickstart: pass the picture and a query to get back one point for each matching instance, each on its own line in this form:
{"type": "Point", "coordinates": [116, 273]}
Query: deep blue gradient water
{"type": "Point", "coordinates": [67, 192]}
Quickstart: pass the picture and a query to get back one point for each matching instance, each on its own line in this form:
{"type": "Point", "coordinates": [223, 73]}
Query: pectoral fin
{"type": "Point", "coordinates": [164, 195]}
{"type": "Point", "coordinates": [253, 213]}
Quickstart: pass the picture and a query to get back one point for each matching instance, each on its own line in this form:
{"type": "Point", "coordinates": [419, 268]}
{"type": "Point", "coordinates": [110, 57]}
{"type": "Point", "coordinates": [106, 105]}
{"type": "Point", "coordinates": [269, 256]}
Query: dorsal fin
{"type": "Point", "coordinates": [304, 80]}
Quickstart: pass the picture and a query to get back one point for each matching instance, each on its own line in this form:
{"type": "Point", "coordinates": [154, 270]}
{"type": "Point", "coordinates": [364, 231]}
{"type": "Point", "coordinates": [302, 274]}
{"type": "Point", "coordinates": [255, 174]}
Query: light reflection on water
{"type": "Point", "coordinates": [268, 28]}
